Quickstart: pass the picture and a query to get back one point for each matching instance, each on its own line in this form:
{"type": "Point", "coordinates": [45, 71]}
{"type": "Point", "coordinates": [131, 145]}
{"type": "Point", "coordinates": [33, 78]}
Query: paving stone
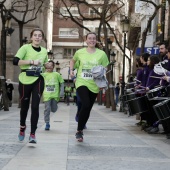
{"type": "Point", "coordinates": [3, 162]}
{"type": "Point", "coordinates": [116, 165]}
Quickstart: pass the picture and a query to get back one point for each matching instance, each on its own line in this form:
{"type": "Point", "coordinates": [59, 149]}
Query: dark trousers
{"type": "Point", "coordinates": [87, 100]}
{"type": "Point", "coordinates": [151, 116]}
{"type": "Point", "coordinates": [67, 98]}
{"type": "Point", "coordinates": [75, 99]}
{"type": "Point", "coordinates": [25, 91]}
{"type": "Point", "coordinates": [78, 104]}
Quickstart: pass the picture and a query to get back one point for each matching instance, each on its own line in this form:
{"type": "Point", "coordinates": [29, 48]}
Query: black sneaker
{"type": "Point", "coordinates": [154, 130]}
{"type": "Point", "coordinates": [148, 129]}
{"type": "Point", "coordinates": [79, 136]}
{"type": "Point", "coordinates": [168, 135]}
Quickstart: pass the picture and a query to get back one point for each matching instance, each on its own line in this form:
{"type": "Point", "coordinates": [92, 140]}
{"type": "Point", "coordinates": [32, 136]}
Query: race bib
{"type": "Point", "coordinates": [50, 88]}
{"type": "Point", "coordinates": [86, 74]}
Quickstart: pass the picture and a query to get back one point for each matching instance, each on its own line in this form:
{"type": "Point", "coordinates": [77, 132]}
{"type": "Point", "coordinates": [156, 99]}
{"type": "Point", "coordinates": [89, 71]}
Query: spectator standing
{"type": "Point", "coordinates": [68, 90]}
{"type": "Point", "coordinates": [117, 92]}
{"type": "Point", "coordinates": [9, 88]}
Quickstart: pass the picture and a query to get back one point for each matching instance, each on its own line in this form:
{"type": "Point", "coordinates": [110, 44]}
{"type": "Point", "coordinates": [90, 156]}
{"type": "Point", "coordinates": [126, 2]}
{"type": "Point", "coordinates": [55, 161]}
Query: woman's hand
{"type": "Point", "coordinates": [36, 62]}
{"type": "Point", "coordinates": [72, 74]}
{"type": "Point", "coordinates": [166, 78]}
{"type": "Point", "coordinates": [137, 86]}
{"type": "Point", "coordinates": [147, 89]}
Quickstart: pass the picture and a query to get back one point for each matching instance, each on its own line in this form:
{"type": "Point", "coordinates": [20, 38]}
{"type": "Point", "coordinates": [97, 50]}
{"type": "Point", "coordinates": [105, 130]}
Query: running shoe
{"type": "Point", "coordinates": [148, 129]}
{"type": "Point", "coordinates": [32, 139]}
{"type": "Point", "coordinates": [154, 130]}
{"type": "Point", "coordinates": [47, 127]}
{"type": "Point", "coordinates": [21, 134]}
{"type": "Point", "coordinates": [79, 136]}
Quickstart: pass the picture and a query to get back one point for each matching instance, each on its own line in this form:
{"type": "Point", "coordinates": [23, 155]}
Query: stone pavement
{"type": "Point", "coordinates": [111, 142]}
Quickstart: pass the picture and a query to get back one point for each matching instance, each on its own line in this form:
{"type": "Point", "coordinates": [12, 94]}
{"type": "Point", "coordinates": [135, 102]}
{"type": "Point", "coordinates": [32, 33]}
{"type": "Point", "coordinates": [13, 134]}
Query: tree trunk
{"type": "Point", "coordinates": [21, 25]}
{"type": "Point", "coordinates": [111, 91]}
{"type": "Point", "coordinates": [20, 33]}
{"type": "Point", "coordinates": [3, 57]}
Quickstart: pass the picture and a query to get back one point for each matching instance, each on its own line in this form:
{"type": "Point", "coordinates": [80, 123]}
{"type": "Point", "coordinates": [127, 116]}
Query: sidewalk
{"type": "Point", "coordinates": [111, 142]}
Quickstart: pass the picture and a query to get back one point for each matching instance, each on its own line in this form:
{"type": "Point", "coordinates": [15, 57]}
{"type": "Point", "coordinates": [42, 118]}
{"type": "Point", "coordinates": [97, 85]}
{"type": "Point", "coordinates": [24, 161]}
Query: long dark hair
{"type": "Point", "coordinates": [145, 56]}
{"type": "Point", "coordinates": [153, 60]}
{"type": "Point", "coordinates": [138, 63]}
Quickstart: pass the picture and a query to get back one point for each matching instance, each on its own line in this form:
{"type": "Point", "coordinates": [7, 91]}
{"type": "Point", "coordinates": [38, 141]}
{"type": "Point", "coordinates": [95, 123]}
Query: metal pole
{"type": "Point", "coordinates": [123, 73]}
{"type": "Point", "coordinates": [100, 97]}
{"type": "Point", "coordinates": [163, 20]}
{"type": "Point", "coordinates": [123, 76]}
{"type": "Point", "coordinates": [4, 53]}
{"type": "Point", "coordinates": [68, 73]}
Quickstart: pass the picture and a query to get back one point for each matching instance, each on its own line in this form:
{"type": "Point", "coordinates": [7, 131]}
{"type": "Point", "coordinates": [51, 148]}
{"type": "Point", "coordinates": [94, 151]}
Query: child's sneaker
{"type": "Point", "coordinates": [32, 139]}
{"type": "Point", "coordinates": [47, 127]}
{"type": "Point", "coordinates": [21, 134]}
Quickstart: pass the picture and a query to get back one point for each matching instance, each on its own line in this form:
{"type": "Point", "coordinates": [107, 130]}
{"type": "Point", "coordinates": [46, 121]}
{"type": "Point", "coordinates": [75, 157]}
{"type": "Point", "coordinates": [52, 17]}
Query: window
{"type": "Point", "coordinates": [108, 30]}
{"type": "Point", "coordinates": [73, 11]}
{"type": "Point", "coordinates": [68, 33]}
{"type": "Point", "coordinates": [69, 52]}
{"type": "Point", "coordinates": [95, 29]}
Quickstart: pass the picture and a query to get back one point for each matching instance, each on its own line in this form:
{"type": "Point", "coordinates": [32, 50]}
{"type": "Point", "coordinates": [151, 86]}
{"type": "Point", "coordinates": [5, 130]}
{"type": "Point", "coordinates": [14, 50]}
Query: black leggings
{"type": "Point", "coordinates": [25, 91]}
{"type": "Point", "coordinates": [87, 99]}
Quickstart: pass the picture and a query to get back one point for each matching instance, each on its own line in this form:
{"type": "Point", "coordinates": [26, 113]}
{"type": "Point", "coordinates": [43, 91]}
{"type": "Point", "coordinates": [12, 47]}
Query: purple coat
{"type": "Point", "coordinates": [139, 74]}
{"type": "Point", "coordinates": [152, 82]}
{"type": "Point", "coordinates": [145, 75]}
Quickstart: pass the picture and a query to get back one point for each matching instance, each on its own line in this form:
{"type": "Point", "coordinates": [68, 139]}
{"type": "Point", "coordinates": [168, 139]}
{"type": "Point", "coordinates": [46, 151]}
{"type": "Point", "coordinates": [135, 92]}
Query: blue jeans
{"type": "Point", "coordinates": [117, 98]}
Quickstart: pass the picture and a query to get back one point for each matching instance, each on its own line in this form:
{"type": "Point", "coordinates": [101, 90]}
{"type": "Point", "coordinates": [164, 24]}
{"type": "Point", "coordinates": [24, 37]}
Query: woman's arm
{"type": "Point", "coordinates": [72, 62]}
{"type": "Point", "coordinates": [17, 61]}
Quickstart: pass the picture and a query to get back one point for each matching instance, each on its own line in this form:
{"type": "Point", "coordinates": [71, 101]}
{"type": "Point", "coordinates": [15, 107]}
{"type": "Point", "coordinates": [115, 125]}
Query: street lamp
{"type": "Point", "coordinates": [50, 56]}
{"type": "Point", "coordinates": [109, 44]}
{"type": "Point", "coordinates": [7, 30]}
{"type": "Point", "coordinates": [112, 63]}
{"type": "Point", "coordinates": [125, 28]}
{"type": "Point", "coordinates": [24, 41]}
{"type": "Point", "coordinates": [57, 67]}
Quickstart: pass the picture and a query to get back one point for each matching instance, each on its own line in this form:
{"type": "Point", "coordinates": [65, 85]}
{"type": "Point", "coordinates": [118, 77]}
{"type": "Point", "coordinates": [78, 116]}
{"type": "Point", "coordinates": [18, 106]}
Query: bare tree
{"type": "Point", "coordinates": [151, 18]}
{"type": "Point", "coordinates": [144, 34]}
{"type": "Point", "coordinates": [23, 12]}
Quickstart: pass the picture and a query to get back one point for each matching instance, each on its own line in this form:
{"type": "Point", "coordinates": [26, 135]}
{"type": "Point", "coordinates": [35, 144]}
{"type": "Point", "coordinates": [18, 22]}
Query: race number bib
{"type": "Point", "coordinates": [86, 74]}
{"type": "Point", "coordinates": [50, 88]}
